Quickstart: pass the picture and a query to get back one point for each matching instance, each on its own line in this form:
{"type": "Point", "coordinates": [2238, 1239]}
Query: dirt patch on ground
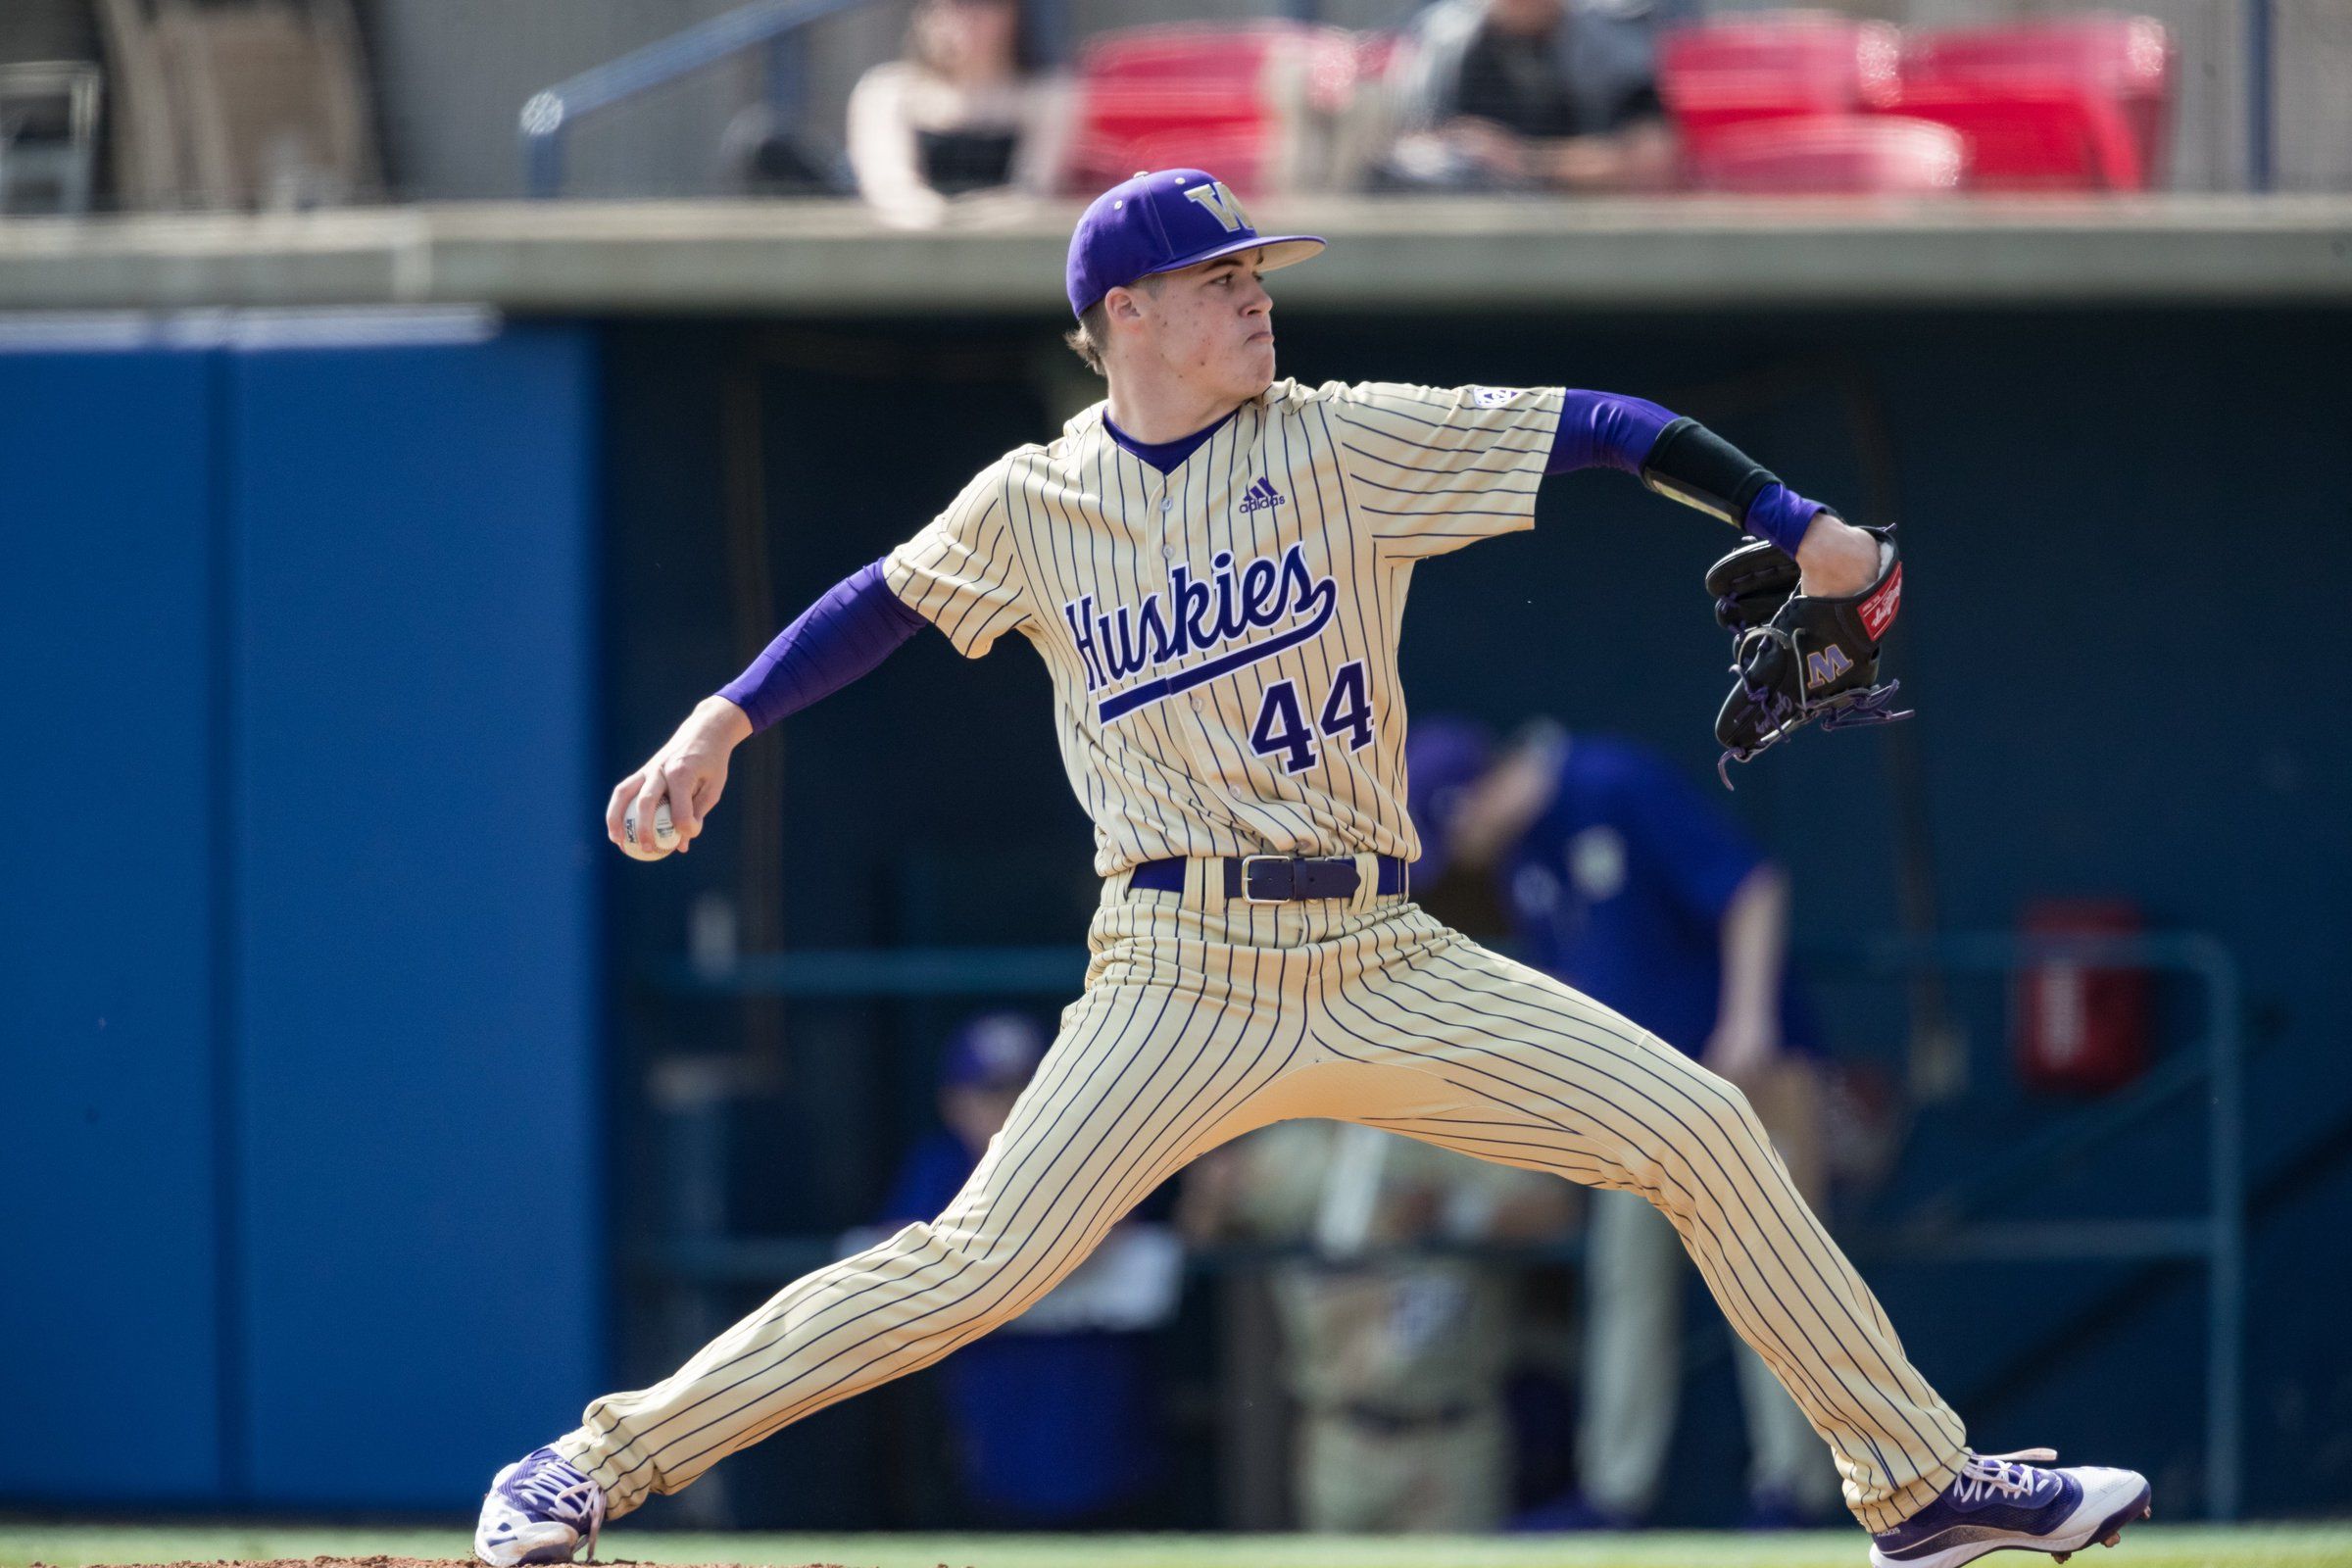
{"type": "Point", "coordinates": [409, 1562]}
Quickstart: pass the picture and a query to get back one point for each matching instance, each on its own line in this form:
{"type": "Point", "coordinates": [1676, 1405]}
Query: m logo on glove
{"type": "Point", "coordinates": [1825, 667]}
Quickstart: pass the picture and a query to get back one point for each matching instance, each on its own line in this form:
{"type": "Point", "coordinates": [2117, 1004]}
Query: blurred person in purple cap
{"type": "Point", "coordinates": [1055, 1422]}
{"type": "Point", "coordinates": [1614, 873]}
{"type": "Point", "coordinates": [1212, 566]}
{"type": "Point", "coordinates": [963, 116]}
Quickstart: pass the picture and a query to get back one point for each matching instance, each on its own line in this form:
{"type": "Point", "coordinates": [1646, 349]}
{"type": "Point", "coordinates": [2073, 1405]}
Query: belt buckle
{"type": "Point", "coordinates": [1250, 894]}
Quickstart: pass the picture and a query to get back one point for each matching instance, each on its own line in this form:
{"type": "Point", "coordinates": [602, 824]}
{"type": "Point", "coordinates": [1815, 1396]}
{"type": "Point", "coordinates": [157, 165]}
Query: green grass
{"type": "Point", "coordinates": [2146, 1546]}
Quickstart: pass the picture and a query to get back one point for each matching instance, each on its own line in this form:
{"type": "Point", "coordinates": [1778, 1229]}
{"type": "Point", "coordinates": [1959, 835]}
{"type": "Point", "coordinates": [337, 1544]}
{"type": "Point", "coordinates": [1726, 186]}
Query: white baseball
{"type": "Point", "coordinates": [665, 835]}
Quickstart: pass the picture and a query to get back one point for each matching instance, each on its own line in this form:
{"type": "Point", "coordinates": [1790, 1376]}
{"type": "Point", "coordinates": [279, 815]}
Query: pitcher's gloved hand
{"type": "Point", "coordinates": [1799, 657]}
{"type": "Point", "coordinates": [1749, 584]}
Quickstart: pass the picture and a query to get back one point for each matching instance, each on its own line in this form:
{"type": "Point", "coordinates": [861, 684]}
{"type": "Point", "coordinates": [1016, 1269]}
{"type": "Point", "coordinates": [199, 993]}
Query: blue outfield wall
{"type": "Point", "coordinates": [301, 1019]}
{"type": "Point", "coordinates": [110, 1150]}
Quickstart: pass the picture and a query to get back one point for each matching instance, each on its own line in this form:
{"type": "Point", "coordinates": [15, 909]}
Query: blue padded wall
{"type": "Point", "coordinates": [109, 1286]}
{"type": "Point", "coordinates": [416, 909]}
{"type": "Point", "coordinates": [301, 1014]}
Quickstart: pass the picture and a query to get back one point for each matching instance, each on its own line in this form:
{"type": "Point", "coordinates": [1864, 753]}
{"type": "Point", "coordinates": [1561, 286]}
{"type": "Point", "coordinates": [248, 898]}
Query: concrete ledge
{"type": "Point", "coordinates": [827, 258]}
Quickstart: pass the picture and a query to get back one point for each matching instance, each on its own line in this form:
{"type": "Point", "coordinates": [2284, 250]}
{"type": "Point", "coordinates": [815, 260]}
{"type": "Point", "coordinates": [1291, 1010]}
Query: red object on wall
{"type": "Point", "coordinates": [1774, 64]}
{"type": "Point", "coordinates": [2078, 1028]}
{"type": "Point", "coordinates": [1221, 96]}
{"type": "Point", "coordinates": [2073, 103]}
{"type": "Point", "coordinates": [1830, 155]}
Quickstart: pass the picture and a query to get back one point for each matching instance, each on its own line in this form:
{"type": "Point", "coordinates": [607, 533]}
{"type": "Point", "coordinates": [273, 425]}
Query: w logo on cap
{"type": "Point", "coordinates": [1140, 227]}
{"type": "Point", "coordinates": [1220, 203]}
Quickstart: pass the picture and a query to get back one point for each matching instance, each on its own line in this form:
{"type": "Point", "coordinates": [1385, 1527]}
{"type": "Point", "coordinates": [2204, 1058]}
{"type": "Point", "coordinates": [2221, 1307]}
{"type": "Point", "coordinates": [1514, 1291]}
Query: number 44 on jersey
{"type": "Point", "coordinates": [1281, 730]}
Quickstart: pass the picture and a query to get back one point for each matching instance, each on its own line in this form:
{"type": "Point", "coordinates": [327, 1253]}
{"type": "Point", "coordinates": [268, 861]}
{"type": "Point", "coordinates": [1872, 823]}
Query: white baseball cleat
{"type": "Point", "coordinates": [1999, 1503]}
{"type": "Point", "coordinates": [539, 1509]}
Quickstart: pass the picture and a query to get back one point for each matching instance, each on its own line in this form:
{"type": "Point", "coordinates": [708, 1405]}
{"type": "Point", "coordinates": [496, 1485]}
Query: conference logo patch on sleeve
{"type": "Point", "coordinates": [1493, 397]}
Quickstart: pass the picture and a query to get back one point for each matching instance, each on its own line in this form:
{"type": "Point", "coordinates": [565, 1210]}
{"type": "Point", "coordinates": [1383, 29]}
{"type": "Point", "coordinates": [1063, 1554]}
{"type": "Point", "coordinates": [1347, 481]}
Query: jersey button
{"type": "Point", "coordinates": [1167, 552]}
{"type": "Point", "coordinates": [1167, 502]}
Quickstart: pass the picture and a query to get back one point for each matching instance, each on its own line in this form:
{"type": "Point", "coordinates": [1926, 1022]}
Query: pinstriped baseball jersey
{"type": "Point", "coordinates": [1221, 641]}
{"type": "Point", "coordinates": [1222, 638]}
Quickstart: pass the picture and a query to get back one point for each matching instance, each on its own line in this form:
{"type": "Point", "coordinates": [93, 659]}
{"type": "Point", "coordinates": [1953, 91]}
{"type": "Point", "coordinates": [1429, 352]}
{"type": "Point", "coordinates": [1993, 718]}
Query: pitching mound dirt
{"type": "Point", "coordinates": [408, 1562]}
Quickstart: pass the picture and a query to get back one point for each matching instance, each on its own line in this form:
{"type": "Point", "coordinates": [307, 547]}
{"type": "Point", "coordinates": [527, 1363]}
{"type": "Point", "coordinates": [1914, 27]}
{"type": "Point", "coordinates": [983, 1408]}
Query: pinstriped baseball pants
{"type": "Point", "coordinates": [1201, 1019]}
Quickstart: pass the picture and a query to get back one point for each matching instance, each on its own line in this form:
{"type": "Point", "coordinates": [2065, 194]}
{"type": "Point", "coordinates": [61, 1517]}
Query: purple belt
{"type": "Point", "coordinates": [1276, 878]}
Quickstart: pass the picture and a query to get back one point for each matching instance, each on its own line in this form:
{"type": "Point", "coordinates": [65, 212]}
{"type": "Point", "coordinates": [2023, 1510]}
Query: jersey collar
{"type": "Point", "coordinates": [1167, 455]}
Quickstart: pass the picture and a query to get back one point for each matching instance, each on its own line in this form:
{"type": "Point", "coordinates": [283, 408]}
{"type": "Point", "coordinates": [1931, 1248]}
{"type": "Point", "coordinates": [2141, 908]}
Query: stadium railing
{"type": "Point", "coordinates": [550, 115]}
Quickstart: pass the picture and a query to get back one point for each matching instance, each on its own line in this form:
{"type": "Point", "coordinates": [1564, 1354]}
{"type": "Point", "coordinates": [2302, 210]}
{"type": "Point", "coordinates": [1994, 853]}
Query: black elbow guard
{"type": "Point", "coordinates": [1690, 464]}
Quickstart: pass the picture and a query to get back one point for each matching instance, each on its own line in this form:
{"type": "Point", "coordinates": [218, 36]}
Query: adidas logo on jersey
{"type": "Point", "coordinates": [1260, 495]}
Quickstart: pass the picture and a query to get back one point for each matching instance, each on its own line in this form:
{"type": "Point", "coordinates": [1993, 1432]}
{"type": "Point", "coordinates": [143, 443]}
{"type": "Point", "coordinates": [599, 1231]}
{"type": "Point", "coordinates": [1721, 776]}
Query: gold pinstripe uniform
{"type": "Point", "coordinates": [1222, 645]}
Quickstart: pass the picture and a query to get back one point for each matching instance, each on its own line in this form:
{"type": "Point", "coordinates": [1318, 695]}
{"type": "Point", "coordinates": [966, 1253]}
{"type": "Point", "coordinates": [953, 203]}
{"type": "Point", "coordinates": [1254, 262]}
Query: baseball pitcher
{"type": "Point", "coordinates": [1213, 564]}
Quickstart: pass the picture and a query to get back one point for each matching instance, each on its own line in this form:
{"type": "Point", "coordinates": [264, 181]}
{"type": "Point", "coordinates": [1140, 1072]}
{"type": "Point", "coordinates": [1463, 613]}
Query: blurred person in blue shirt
{"type": "Point", "coordinates": [1536, 95]}
{"type": "Point", "coordinates": [1054, 1417]}
{"type": "Point", "coordinates": [1617, 875]}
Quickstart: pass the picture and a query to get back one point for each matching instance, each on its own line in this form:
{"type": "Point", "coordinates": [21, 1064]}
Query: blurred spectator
{"type": "Point", "coordinates": [1397, 1362]}
{"type": "Point", "coordinates": [1054, 1417]}
{"type": "Point", "coordinates": [1621, 879]}
{"type": "Point", "coordinates": [964, 115]}
{"type": "Point", "coordinates": [238, 104]}
{"type": "Point", "coordinates": [1533, 95]}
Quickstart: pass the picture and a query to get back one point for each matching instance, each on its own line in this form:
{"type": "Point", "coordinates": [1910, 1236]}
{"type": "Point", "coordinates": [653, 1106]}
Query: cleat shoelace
{"type": "Point", "coordinates": [1983, 1475]}
{"type": "Point", "coordinates": [563, 1495]}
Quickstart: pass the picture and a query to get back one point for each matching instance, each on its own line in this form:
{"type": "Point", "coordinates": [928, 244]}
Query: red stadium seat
{"type": "Point", "coordinates": [1773, 65]}
{"type": "Point", "coordinates": [1377, 54]}
{"type": "Point", "coordinates": [1224, 97]}
{"type": "Point", "coordinates": [2082, 103]}
{"type": "Point", "coordinates": [1831, 154]}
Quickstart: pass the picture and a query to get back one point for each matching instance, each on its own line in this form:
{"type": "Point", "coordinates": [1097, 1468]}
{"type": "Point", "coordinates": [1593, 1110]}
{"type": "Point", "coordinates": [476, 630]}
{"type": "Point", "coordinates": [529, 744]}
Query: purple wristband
{"type": "Point", "coordinates": [855, 627]}
{"type": "Point", "coordinates": [1605, 430]}
{"type": "Point", "coordinates": [1781, 516]}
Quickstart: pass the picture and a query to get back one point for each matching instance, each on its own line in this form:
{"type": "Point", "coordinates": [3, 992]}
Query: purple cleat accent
{"type": "Point", "coordinates": [2001, 1502]}
{"type": "Point", "coordinates": [539, 1511]}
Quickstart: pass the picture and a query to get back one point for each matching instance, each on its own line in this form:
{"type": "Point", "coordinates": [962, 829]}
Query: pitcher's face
{"type": "Point", "coordinates": [1212, 326]}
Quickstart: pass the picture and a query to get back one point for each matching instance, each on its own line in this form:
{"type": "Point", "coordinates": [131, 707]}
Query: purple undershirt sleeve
{"type": "Point", "coordinates": [1610, 431]}
{"type": "Point", "coordinates": [855, 627]}
{"type": "Point", "coordinates": [1605, 430]}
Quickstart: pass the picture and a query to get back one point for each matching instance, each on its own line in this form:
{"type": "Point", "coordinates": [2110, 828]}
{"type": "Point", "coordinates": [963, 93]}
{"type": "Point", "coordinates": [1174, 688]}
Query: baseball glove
{"type": "Point", "coordinates": [1799, 657]}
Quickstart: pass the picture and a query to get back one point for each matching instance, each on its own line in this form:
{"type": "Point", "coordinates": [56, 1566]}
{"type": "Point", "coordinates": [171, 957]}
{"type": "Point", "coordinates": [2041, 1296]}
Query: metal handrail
{"type": "Point", "coordinates": [2218, 1238]}
{"type": "Point", "coordinates": [549, 113]}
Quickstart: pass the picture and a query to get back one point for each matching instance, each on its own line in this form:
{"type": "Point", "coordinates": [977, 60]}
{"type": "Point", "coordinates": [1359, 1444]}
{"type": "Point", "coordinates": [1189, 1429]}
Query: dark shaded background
{"type": "Point", "coordinates": [2118, 644]}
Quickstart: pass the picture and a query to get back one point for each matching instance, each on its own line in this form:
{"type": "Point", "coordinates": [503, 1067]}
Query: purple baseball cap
{"type": "Point", "coordinates": [994, 1051]}
{"type": "Point", "coordinates": [1160, 221]}
{"type": "Point", "coordinates": [1444, 756]}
